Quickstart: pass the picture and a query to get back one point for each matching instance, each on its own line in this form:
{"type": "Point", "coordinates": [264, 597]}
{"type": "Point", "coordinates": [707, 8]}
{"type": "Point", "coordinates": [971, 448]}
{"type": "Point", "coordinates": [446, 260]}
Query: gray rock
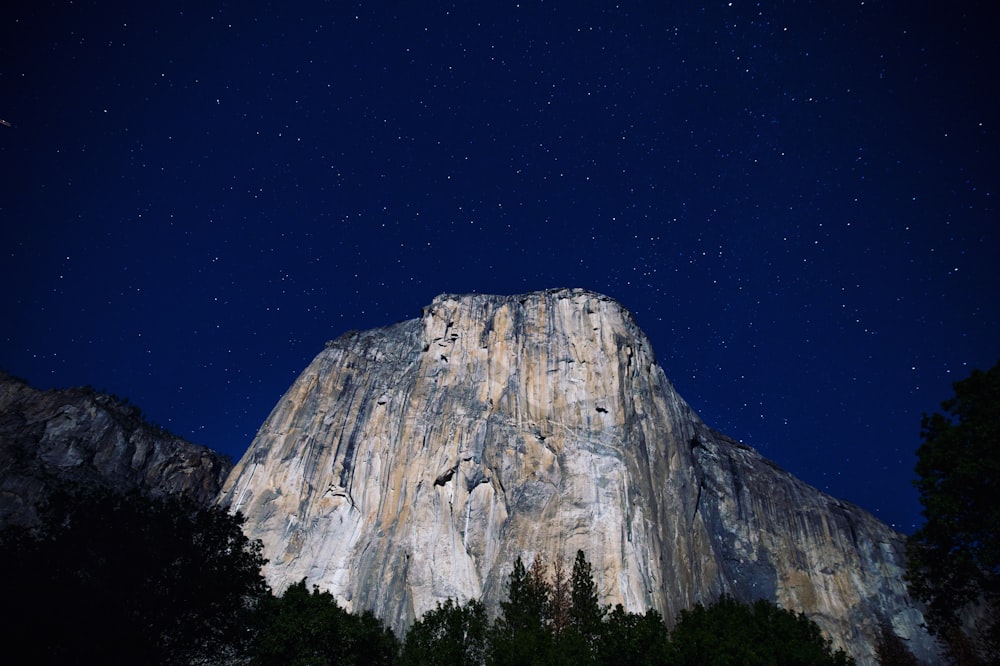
{"type": "Point", "coordinates": [49, 439]}
{"type": "Point", "coordinates": [414, 463]}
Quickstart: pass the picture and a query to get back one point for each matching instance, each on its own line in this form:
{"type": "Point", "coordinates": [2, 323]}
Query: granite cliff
{"type": "Point", "coordinates": [413, 463]}
{"type": "Point", "coordinates": [78, 436]}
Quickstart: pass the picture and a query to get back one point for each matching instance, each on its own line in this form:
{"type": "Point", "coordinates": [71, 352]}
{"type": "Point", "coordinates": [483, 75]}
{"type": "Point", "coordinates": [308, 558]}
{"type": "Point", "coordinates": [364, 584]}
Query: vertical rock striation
{"type": "Point", "coordinates": [414, 463]}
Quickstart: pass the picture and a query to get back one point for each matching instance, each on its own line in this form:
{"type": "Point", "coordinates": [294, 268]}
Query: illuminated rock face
{"type": "Point", "coordinates": [414, 463]}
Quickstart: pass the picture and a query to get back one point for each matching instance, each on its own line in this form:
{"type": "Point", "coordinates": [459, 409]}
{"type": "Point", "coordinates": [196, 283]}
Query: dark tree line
{"type": "Point", "coordinates": [954, 558]}
{"type": "Point", "coordinates": [309, 628]}
{"type": "Point", "coordinates": [113, 579]}
{"type": "Point", "coordinates": [558, 619]}
{"type": "Point", "coordinates": [109, 578]}
{"type": "Point", "coordinates": [126, 579]}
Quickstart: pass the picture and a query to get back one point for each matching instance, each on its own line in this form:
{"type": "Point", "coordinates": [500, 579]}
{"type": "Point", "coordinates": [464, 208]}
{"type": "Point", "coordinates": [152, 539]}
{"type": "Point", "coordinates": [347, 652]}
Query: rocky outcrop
{"type": "Point", "coordinates": [50, 439]}
{"type": "Point", "coordinates": [414, 463]}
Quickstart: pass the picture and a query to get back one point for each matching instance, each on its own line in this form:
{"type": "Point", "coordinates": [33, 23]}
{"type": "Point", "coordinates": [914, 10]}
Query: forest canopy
{"type": "Point", "coordinates": [109, 578]}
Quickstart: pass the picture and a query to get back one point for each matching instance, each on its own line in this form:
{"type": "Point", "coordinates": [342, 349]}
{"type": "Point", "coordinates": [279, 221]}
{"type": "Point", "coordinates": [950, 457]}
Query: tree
{"type": "Point", "coordinates": [890, 650]}
{"type": "Point", "coordinates": [954, 558]}
{"type": "Point", "coordinates": [521, 634]}
{"type": "Point", "coordinates": [368, 642]}
{"type": "Point", "coordinates": [561, 600]}
{"type": "Point", "coordinates": [577, 614]}
{"type": "Point", "coordinates": [449, 634]}
{"type": "Point", "coordinates": [109, 578]}
{"type": "Point", "coordinates": [729, 632]}
{"type": "Point", "coordinates": [586, 612]}
{"type": "Point", "coordinates": [633, 639]}
{"type": "Point", "coordinates": [299, 628]}
{"type": "Point", "coordinates": [303, 628]}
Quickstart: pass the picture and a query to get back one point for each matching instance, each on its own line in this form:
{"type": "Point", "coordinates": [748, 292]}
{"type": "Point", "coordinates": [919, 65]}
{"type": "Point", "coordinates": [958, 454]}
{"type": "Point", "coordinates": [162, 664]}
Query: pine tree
{"type": "Point", "coordinates": [586, 613]}
{"type": "Point", "coordinates": [891, 651]}
{"type": "Point", "coordinates": [449, 634]}
{"type": "Point", "coordinates": [562, 601]}
{"type": "Point", "coordinates": [954, 558]}
{"type": "Point", "coordinates": [520, 635]}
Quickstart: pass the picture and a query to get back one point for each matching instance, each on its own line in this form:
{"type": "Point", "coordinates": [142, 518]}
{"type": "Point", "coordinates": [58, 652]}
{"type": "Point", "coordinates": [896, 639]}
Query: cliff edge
{"type": "Point", "coordinates": [413, 463]}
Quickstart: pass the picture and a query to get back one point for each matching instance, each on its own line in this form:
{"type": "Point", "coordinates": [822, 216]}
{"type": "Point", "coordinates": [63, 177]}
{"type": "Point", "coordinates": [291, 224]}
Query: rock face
{"type": "Point", "coordinates": [49, 438]}
{"type": "Point", "coordinates": [413, 463]}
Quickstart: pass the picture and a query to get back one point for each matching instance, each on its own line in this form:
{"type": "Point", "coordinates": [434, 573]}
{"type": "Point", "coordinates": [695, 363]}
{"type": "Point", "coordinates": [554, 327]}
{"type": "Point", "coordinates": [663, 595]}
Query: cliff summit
{"type": "Point", "coordinates": [413, 463]}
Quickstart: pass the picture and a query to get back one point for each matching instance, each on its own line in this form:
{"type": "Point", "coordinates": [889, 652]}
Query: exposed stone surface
{"type": "Point", "coordinates": [48, 438]}
{"type": "Point", "coordinates": [413, 463]}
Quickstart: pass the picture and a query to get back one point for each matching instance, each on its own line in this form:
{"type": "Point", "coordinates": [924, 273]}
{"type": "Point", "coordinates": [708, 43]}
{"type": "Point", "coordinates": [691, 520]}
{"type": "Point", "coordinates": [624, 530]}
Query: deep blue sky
{"type": "Point", "coordinates": [796, 200]}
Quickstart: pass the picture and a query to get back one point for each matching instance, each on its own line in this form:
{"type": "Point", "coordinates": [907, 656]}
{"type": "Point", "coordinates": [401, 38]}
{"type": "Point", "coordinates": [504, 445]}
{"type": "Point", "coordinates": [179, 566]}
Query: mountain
{"type": "Point", "coordinates": [82, 437]}
{"type": "Point", "coordinates": [413, 463]}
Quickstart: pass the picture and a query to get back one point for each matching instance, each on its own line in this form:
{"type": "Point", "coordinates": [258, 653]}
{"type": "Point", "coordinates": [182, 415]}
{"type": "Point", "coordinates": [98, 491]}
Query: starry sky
{"type": "Point", "coordinates": [795, 199]}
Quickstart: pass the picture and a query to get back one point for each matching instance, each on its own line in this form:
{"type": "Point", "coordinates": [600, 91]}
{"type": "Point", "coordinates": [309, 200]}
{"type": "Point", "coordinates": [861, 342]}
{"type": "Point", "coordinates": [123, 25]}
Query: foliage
{"type": "Point", "coordinates": [560, 598]}
{"type": "Point", "coordinates": [110, 578]}
{"type": "Point", "coordinates": [954, 559]}
{"type": "Point", "coordinates": [729, 632]}
{"type": "Point", "coordinates": [586, 612]}
{"type": "Point", "coordinates": [303, 628]}
{"type": "Point", "coordinates": [127, 579]}
{"type": "Point", "coordinates": [891, 651]}
{"type": "Point", "coordinates": [578, 642]}
{"type": "Point", "coordinates": [560, 621]}
{"type": "Point", "coordinates": [528, 630]}
{"type": "Point", "coordinates": [631, 638]}
{"type": "Point", "coordinates": [449, 634]}
{"type": "Point", "coordinates": [521, 634]}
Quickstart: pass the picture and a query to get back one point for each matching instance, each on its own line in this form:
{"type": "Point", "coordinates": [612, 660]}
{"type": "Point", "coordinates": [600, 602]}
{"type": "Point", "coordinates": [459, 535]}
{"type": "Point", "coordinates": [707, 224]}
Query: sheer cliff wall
{"type": "Point", "coordinates": [414, 463]}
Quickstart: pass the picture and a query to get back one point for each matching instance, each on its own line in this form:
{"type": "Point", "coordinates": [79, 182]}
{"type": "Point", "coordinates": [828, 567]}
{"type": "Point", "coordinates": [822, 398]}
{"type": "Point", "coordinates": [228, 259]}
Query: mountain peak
{"type": "Point", "coordinates": [413, 463]}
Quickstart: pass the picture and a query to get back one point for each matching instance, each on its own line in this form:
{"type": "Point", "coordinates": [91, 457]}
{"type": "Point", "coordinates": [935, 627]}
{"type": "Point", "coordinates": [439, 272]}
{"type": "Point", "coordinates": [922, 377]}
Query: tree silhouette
{"type": "Point", "coordinates": [449, 634]}
{"type": "Point", "coordinates": [631, 638]}
{"type": "Point", "coordinates": [729, 632]}
{"type": "Point", "coordinates": [890, 650]}
{"type": "Point", "coordinates": [954, 558]}
{"type": "Point", "coordinates": [520, 635]}
{"type": "Point", "coordinates": [586, 612]}
{"type": "Point", "coordinates": [108, 578]}
{"type": "Point", "coordinates": [303, 628]}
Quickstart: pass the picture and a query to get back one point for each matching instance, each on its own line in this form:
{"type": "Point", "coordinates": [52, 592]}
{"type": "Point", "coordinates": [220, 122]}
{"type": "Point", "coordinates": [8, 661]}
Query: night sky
{"type": "Point", "coordinates": [797, 200]}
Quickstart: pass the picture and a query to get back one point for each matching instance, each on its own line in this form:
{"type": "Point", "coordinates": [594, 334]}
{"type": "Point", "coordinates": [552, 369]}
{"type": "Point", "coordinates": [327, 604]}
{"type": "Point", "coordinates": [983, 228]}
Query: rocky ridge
{"type": "Point", "coordinates": [79, 436]}
{"type": "Point", "coordinates": [413, 463]}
